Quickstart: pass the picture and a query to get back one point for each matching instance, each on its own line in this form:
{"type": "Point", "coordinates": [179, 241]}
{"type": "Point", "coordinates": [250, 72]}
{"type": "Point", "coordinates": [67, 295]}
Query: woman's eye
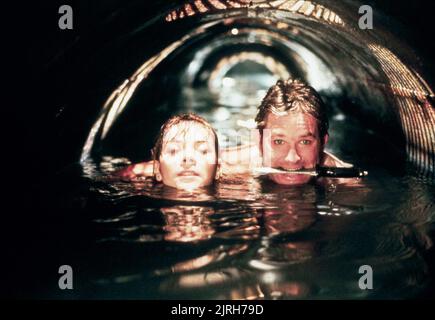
{"type": "Point", "coordinates": [278, 141]}
{"type": "Point", "coordinates": [172, 151]}
{"type": "Point", "coordinates": [305, 142]}
{"type": "Point", "coordinates": [204, 151]}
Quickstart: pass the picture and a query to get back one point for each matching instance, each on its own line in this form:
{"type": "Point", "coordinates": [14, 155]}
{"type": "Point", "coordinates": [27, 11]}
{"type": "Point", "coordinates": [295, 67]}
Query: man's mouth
{"type": "Point", "coordinates": [283, 171]}
{"type": "Point", "coordinates": [290, 170]}
{"type": "Point", "coordinates": [297, 171]}
{"type": "Point", "coordinates": [292, 176]}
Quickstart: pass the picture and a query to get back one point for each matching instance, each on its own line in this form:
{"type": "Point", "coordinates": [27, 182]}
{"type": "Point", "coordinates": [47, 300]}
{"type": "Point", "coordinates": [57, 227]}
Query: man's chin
{"type": "Point", "coordinates": [290, 179]}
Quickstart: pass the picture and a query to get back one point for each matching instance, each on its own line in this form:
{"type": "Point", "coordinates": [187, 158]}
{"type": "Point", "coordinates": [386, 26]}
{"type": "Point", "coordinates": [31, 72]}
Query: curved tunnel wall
{"type": "Point", "coordinates": [324, 42]}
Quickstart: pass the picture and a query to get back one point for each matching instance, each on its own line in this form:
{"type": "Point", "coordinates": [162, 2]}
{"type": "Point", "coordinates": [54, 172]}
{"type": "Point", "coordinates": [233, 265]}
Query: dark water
{"type": "Point", "coordinates": [244, 238]}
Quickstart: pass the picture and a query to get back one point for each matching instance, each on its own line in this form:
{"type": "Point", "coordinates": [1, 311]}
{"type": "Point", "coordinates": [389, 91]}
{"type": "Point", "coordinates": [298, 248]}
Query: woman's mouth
{"type": "Point", "coordinates": [188, 173]}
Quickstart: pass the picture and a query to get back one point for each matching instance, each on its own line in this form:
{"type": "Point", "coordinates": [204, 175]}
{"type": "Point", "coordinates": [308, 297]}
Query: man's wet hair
{"type": "Point", "coordinates": [290, 96]}
{"type": "Point", "coordinates": [158, 145]}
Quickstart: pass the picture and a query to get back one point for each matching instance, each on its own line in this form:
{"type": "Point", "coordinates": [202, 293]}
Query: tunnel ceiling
{"type": "Point", "coordinates": [202, 41]}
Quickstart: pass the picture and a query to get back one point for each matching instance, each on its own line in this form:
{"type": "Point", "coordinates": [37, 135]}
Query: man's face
{"type": "Point", "coordinates": [291, 142]}
{"type": "Point", "coordinates": [188, 159]}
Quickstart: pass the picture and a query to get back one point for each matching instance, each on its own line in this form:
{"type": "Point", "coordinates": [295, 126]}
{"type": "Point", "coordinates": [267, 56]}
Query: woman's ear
{"type": "Point", "coordinates": [156, 171]}
{"type": "Point", "coordinates": [218, 172]}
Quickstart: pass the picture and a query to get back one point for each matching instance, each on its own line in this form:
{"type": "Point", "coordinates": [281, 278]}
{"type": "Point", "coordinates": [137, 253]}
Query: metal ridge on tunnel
{"type": "Point", "coordinates": [307, 8]}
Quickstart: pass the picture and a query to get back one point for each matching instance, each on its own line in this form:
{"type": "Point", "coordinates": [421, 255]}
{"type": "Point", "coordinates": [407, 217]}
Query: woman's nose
{"type": "Point", "coordinates": [188, 160]}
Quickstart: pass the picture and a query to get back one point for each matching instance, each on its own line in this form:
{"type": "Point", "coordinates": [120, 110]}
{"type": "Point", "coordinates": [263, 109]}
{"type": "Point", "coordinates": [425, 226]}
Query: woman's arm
{"type": "Point", "coordinates": [141, 169]}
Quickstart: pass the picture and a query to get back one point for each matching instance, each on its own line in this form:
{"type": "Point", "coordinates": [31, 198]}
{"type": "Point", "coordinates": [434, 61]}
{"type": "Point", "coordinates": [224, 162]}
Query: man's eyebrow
{"type": "Point", "coordinates": [278, 134]}
{"type": "Point", "coordinates": [278, 131]}
{"type": "Point", "coordinates": [307, 134]}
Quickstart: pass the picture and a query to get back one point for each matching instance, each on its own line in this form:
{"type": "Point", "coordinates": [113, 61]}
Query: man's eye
{"type": "Point", "coordinates": [305, 142]}
{"type": "Point", "coordinates": [278, 141]}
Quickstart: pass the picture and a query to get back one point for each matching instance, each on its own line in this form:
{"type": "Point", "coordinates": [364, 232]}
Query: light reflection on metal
{"type": "Point", "coordinates": [199, 6]}
{"type": "Point", "coordinates": [189, 11]}
{"type": "Point", "coordinates": [217, 4]}
{"type": "Point", "coordinates": [416, 112]}
{"type": "Point", "coordinates": [282, 25]}
{"type": "Point", "coordinates": [306, 8]}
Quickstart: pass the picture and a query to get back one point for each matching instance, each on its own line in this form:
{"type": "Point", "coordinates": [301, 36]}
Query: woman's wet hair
{"type": "Point", "coordinates": [158, 145]}
{"type": "Point", "coordinates": [293, 95]}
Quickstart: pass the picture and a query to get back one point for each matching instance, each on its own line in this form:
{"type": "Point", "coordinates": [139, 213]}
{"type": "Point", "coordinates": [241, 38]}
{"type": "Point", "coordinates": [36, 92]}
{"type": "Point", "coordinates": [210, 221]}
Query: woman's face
{"type": "Point", "coordinates": [188, 159]}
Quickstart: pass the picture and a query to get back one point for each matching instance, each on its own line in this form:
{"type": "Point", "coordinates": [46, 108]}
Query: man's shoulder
{"type": "Point", "coordinates": [329, 160]}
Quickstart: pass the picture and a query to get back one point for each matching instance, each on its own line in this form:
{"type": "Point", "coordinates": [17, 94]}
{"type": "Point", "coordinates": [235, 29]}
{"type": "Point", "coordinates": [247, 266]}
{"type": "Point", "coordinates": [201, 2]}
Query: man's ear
{"type": "Point", "coordinates": [325, 139]}
{"type": "Point", "coordinates": [156, 171]}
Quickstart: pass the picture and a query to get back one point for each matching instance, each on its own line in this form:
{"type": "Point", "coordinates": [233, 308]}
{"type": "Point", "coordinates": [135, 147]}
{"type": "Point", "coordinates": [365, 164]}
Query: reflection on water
{"type": "Point", "coordinates": [187, 223]}
{"type": "Point", "coordinates": [247, 238]}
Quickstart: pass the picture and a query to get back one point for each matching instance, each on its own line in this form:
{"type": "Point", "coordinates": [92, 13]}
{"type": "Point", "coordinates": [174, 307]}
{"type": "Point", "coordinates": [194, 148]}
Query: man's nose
{"type": "Point", "coordinates": [292, 156]}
